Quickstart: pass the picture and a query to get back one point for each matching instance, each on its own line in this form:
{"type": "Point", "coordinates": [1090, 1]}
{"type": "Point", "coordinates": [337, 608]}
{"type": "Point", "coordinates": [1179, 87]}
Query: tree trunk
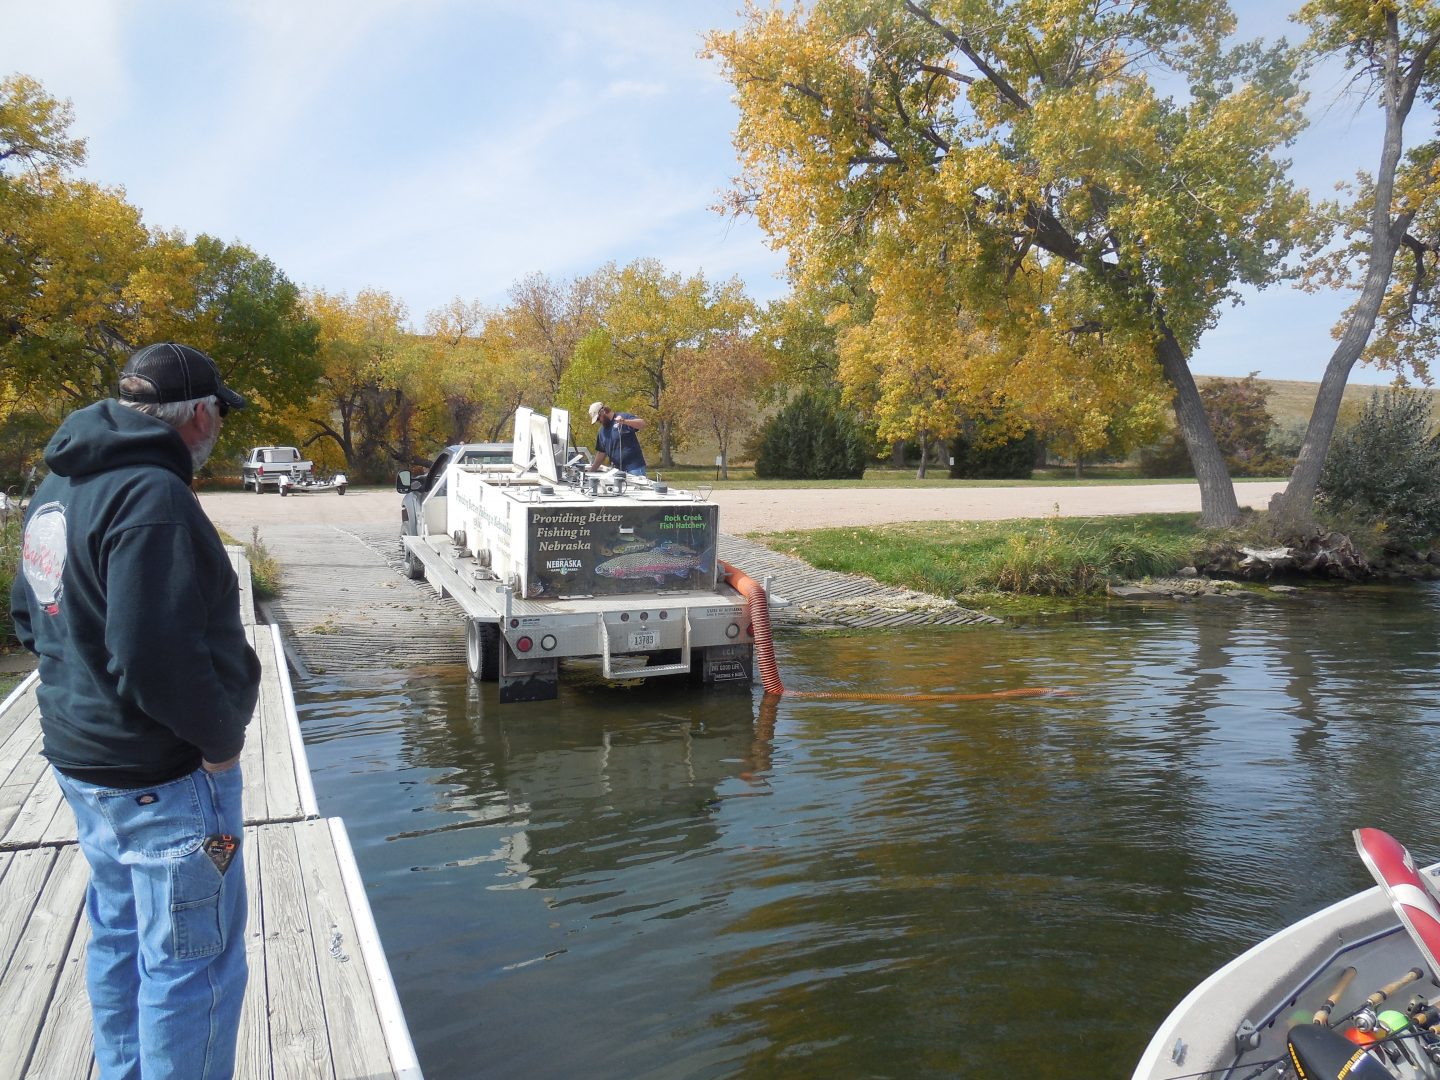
{"type": "Point", "coordinates": [924, 456]}
{"type": "Point", "coordinates": [1296, 504]}
{"type": "Point", "coordinates": [666, 461]}
{"type": "Point", "coordinates": [1218, 508]}
{"type": "Point", "coordinates": [1079, 467]}
{"type": "Point", "coordinates": [897, 455]}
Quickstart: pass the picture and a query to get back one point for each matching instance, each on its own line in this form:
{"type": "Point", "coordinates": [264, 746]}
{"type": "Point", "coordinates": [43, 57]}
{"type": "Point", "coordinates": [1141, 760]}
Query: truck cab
{"type": "Point", "coordinates": [427, 489]}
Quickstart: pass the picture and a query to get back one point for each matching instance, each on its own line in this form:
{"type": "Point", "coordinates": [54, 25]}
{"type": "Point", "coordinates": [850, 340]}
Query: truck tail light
{"type": "Point", "coordinates": [524, 644]}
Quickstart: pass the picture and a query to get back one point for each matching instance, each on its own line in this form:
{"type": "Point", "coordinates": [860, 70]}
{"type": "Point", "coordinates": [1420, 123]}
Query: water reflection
{"type": "Point", "coordinates": [655, 882]}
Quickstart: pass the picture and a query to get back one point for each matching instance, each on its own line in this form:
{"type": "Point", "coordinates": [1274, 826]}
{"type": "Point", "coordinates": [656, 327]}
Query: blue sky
{"type": "Point", "coordinates": [443, 148]}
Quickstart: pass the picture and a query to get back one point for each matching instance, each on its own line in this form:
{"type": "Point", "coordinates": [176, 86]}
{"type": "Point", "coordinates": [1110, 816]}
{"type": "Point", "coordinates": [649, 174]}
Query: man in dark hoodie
{"type": "Point", "coordinates": [128, 598]}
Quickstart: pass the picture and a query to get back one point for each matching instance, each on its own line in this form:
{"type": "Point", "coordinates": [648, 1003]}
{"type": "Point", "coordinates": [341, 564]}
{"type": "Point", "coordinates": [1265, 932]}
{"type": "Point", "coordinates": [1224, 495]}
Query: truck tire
{"type": "Point", "coordinates": [414, 568]}
{"type": "Point", "coordinates": [482, 650]}
{"type": "Point", "coordinates": [341, 489]}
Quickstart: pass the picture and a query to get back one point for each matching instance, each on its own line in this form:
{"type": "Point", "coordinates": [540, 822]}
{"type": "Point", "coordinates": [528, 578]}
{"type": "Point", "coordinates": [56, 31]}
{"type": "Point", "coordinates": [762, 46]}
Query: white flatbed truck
{"type": "Point", "coordinates": [551, 562]}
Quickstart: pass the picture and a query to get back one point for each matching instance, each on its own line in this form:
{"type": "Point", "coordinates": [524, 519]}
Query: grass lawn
{"type": "Point", "coordinates": [975, 559]}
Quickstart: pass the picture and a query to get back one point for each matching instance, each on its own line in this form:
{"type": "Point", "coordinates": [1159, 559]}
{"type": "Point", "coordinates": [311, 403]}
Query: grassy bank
{"type": "Point", "coordinates": [992, 562]}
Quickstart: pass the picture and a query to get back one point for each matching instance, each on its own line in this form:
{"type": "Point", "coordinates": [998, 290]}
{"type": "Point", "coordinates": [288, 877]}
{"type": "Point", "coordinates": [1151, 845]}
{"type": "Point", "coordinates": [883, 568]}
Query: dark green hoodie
{"type": "Point", "coordinates": [128, 597]}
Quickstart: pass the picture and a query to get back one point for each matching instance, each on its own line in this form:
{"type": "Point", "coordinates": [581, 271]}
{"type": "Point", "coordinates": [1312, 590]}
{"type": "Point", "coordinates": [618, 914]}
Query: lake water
{"type": "Point", "coordinates": [655, 882]}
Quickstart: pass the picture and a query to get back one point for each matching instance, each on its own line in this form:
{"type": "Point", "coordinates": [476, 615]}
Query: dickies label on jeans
{"type": "Point", "coordinates": [148, 798]}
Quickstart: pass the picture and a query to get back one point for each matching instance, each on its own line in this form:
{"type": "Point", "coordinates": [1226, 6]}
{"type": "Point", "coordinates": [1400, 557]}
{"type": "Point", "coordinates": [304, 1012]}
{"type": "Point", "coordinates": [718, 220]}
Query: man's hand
{"type": "Point", "coordinates": [220, 766]}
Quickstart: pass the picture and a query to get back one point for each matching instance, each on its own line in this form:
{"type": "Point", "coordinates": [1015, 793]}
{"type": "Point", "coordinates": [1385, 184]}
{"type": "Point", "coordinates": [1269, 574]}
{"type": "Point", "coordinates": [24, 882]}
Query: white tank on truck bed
{"type": "Point", "coordinates": [551, 561]}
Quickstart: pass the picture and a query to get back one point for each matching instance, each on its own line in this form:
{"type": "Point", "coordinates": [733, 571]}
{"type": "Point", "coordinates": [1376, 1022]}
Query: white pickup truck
{"type": "Point", "coordinates": [282, 468]}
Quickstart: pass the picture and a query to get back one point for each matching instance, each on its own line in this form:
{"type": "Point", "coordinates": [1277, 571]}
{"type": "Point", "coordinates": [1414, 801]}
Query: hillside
{"type": "Point", "coordinates": [1291, 401]}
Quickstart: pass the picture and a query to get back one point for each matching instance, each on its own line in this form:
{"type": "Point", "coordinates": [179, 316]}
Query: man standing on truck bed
{"type": "Point", "coordinates": [616, 441]}
{"type": "Point", "coordinates": [146, 685]}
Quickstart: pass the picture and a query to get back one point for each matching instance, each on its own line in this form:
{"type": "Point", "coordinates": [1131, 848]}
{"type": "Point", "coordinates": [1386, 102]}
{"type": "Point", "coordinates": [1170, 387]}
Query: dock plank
{"type": "Point", "coordinates": [22, 783]}
{"type": "Point", "coordinates": [40, 958]}
{"type": "Point", "coordinates": [241, 564]}
{"type": "Point", "coordinates": [351, 1019]}
{"type": "Point", "coordinates": [252, 759]}
{"type": "Point", "coordinates": [22, 877]}
{"type": "Point", "coordinates": [282, 792]}
{"type": "Point", "coordinates": [20, 706]}
{"type": "Point", "coordinates": [34, 822]}
{"type": "Point", "coordinates": [252, 1047]}
{"type": "Point", "coordinates": [298, 1042]}
{"type": "Point", "coordinates": [65, 1047]}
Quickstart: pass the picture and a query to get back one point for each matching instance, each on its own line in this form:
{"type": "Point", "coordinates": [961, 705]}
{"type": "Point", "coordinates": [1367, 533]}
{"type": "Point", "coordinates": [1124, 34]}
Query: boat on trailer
{"type": "Point", "coordinates": [1349, 993]}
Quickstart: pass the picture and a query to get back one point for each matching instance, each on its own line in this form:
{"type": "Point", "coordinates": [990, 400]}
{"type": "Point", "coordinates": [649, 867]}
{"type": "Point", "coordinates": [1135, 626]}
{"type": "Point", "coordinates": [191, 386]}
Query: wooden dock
{"type": "Point", "coordinates": [320, 1002]}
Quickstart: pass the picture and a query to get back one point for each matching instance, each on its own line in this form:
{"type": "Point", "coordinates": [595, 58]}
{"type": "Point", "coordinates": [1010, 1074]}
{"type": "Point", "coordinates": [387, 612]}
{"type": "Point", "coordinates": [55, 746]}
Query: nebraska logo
{"type": "Point", "coordinates": [43, 556]}
{"type": "Point", "coordinates": [563, 566]}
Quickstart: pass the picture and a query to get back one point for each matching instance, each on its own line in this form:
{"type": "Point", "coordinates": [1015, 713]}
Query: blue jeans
{"type": "Point", "coordinates": [166, 960]}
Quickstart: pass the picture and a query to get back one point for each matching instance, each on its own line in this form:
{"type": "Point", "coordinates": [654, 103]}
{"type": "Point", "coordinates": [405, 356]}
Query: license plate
{"type": "Point", "coordinates": [642, 639]}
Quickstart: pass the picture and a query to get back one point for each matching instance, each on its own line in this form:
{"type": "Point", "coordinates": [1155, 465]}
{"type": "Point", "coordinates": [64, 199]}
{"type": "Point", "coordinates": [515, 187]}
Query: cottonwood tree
{"type": "Point", "coordinates": [647, 319]}
{"type": "Point", "coordinates": [1391, 224]}
{"type": "Point", "coordinates": [716, 389]}
{"type": "Point", "coordinates": [475, 374]}
{"type": "Point", "coordinates": [545, 321]}
{"type": "Point", "coordinates": [83, 283]}
{"type": "Point", "coordinates": [950, 146]}
{"type": "Point", "coordinates": [364, 354]}
{"type": "Point", "coordinates": [907, 372]}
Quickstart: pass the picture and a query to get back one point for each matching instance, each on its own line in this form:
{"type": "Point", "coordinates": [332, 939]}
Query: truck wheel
{"type": "Point", "coordinates": [482, 650]}
{"type": "Point", "coordinates": [414, 568]}
{"type": "Point", "coordinates": [341, 489]}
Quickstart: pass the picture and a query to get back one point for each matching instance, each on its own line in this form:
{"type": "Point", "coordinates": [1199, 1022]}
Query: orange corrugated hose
{"type": "Point", "coordinates": [757, 608]}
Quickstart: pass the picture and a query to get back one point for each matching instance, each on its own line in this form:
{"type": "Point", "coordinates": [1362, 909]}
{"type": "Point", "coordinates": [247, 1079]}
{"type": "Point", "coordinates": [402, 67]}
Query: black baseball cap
{"type": "Point", "coordinates": [176, 373]}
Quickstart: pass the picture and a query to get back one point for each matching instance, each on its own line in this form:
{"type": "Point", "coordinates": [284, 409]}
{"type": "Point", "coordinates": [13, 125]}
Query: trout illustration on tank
{"type": "Point", "coordinates": [664, 560]}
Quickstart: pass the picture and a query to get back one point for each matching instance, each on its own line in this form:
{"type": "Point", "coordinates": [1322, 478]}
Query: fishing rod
{"type": "Point", "coordinates": [1322, 1014]}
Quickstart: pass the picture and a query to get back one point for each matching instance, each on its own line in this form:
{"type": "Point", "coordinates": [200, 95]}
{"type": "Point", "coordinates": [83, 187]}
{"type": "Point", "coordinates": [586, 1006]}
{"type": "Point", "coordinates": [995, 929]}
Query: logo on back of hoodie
{"type": "Point", "coordinates": [44, 555]}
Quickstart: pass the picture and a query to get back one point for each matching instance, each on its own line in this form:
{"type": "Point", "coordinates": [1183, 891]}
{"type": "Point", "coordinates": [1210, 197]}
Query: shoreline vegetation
{"type": "Point", "coordinates": [1016, 568]}
{"type": "Point", "coordinates": [1024, 566]}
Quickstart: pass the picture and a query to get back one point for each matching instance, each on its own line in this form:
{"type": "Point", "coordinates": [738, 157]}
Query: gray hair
{"type": "Point", "coordinates": [175, 413]}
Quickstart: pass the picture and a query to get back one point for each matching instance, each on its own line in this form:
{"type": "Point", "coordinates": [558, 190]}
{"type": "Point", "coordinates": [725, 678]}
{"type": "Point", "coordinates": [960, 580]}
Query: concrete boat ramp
{"type": "Point", "coordinates": [320, 1002]}
{"type": "Point", "coordinates": [348, 606]}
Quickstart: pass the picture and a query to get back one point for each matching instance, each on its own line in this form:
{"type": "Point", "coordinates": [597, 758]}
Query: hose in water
{"type": "Point", "coordinates": [757, 607]}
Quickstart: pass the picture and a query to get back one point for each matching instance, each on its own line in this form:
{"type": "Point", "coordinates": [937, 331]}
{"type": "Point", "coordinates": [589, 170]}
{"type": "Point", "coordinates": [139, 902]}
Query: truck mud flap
{"type": "Point", "coordinates": [526, 679]}
{"type": "Point", "coordinates": [724, 665]}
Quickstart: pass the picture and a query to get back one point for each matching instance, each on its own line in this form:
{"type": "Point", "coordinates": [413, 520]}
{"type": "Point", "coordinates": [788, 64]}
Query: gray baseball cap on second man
{"type": "Point", "coordinates": [173, 372]}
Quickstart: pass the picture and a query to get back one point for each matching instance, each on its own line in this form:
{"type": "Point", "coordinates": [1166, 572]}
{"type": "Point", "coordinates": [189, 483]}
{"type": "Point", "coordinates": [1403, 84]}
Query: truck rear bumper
{"type": "Point", "coordinates": [689, 626]}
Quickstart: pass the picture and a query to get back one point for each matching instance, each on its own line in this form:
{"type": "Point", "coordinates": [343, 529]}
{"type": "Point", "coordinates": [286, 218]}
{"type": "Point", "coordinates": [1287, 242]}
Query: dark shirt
{"type": "Point", "coordinates": [620, 445]}
{"type": "Point", "coordinates": [128, 597]}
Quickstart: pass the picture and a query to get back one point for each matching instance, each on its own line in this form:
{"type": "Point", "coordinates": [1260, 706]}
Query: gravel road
{"type": "Point", "coordinates": [750, 510]}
